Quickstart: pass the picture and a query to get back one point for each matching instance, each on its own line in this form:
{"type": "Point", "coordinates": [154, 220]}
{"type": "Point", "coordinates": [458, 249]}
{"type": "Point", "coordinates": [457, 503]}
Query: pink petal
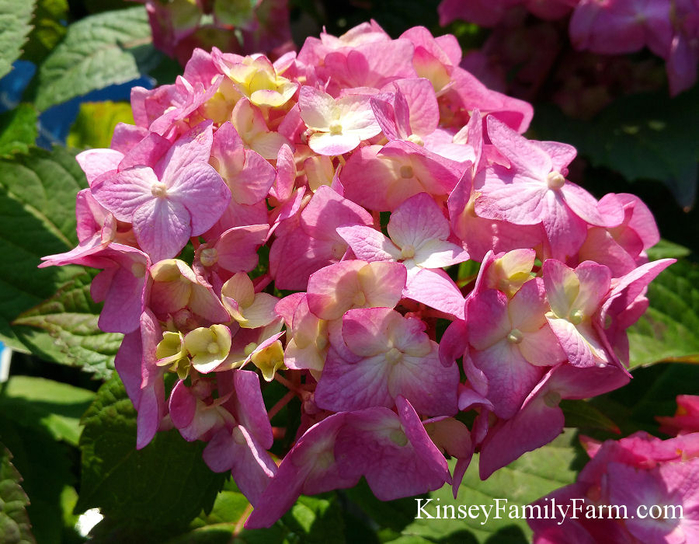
{"type": "Point", "coordinates": [96, 162]}
{"type": "Point", "coordinates": [200, 189]}
{"type": "Point", "coordinates": [510, 377]}
{"type": "Point", "coordinates": [162, 228]}
{"type": "Point", "coordinates": [527, 157]}
{"type": "Point", "coordinates": [193, 147]}
{"type": "Point", "coordinates": [436, 289]}
{"type": "Point", "coordinates": [369, 244]}
{"type": "Point", "coordinates": [416, 221]}
{"type": "Point", "coordinates": [328, 144]}
{"type": "Point", "coordinates": [125, 192]}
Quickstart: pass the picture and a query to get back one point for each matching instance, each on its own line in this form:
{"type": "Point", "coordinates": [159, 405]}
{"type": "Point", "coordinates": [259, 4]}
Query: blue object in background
{"type": "Point", "coordinates": [13, 84]}
{"type": "Point", "coordinates": [5, 359]}
{"type": "Point", "coordinates": [55, 123]}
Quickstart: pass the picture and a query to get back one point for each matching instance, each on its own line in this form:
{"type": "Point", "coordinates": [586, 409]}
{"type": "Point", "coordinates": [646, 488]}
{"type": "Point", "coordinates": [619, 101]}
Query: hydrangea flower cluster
{"type": "Point", "coordinates": [652, 484]}
{"type": "Point", "coordinates": [669, 28]}
{"type": "Point", "coordinates": [180, 26]}
{"type": "Point", "coordinates": [358, 174]}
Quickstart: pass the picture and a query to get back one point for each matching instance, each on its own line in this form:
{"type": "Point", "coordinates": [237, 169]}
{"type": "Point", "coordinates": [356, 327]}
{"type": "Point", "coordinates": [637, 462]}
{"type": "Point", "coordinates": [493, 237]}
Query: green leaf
{"type": "Point", "coordinates": [668, 330]}
{"type": "Point", "coordinates": [652, 392]}
{"type": "Point", "coordinates": [55, 406]}
{"type": "Point", "coordinates": [392, 515]}
{"type": "Point", "coordinates": [95, 123]}
{"type": "Point", "coordinates": [317, 519]}
{"type": "Point", "coordinates": [166, 484]}
{"type": "Point", "coordinates": [37, 218]}
{"type": "Point", "coordinates": [665, 249]}
{"type": "Point", "coordinates": [67, 332]}
{"type": "Point", "coordinates": [529, 478]}
{"type": "Point", "coordinates": [18, 130]}
{"type": "Point", "coordinates": [48, 29]}
{"type": "Point", "coordinates": [15, 527]}
{"type": "Point", "coordinates": [94, 54]}
{"type": "Point", "coordinates": [580, 414]}
{"type": "Point", "coordinates": [45, 465]}
{"type": "Point", "coordinates": [15, 17]}
{"type": "Point", "coordinates": [644, 136]}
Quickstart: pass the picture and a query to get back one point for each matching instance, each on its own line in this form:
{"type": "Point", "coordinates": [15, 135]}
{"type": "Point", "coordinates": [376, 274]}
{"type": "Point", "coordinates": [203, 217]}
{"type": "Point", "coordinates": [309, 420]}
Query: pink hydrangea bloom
{"type": "Point", "coordinates": [359, 223]}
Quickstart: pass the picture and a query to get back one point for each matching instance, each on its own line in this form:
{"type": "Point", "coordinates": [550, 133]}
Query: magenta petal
{"type": "Point", "coordinates": [454, 342]}
{"type": "Point", "coordinates": [151, 405]}
{"type": "Point", "coordinates": [128, 365]}
{"type": "Point", "coordinates": [200, 189]}
{"type": "Point", "coordinates": [193, 147]}
{"type": "Point", "coordinates": [126, 298]}
{"type": "Point", "coordinates": [239, 452]}
{"type": "Point", "coordinates": [345, 386]}
{"type": "Point", "coordinates": [518, 203]}
{"type": "Point", "coordinates": [527, 157]}
{"type": "Point", "coordinates": [425, 448]}
{"type": "Point", "coordinates": [125, 192]}
{"type": "Point", "coordinates": [375, 444]}
{"type": "Point", "coordinates": [162, 228]}
{"type": "Point", "coordinates": [535, 425]}
{"type": "Point", "coordinates": [183, 405]}
{"type": "Point", "coordinates": [422, 102]}
{"type": "Point", "coordinates": [250, 406]}
{"type": "Point", "coordinates": [95, 162]}
{"type": "Point", "coordinates": [300, 472]}
{"type": "Point", "coordinates": [510, 377]}
{"type": "Point", "coordinates": [491, 321]}
{"type": "Point", "coordinates": [585, 206]}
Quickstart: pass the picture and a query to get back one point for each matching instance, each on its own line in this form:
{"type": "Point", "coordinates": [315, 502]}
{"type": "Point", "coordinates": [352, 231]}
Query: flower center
{"type": "Point", "coordinates": [213, 348]}
{"type": "Point", "coordinates": [555, 180]}
{"type": "Point", "coordinates": [515, 336]}
{"type": "Point", "coordinates": [576, 317]}
{"type": "Point", "coordinates": [209, 256]}
{"type": "Point", "coordinates": [407, 252]}
{"type": "Point", "coordinates": [406, 171]}
{"type": "Point", "coordinates": [335, 128]}
{"type": "Point", "coordinates": [416, 139]}
{"type": "Point", "coordinates": [338, 250]}
{"type": "Point", "coordinates": [394, 355]}
{"type": "Point", "coordinates": [359, 299]}
{"type": "Point", "coordinates": [158, 189]}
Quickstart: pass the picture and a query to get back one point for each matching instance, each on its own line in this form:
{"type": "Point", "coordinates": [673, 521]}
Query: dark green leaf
{"type": "Point", "coordinates": [652, 392]}
{"type": "Point", "coordinates": [645, 136]}
{"type": "Point", "coordinates": [45, 465]}
{"type": "Point", "coordinates": [668, 330]}
{"type": "Point", "coordinates": [93, 55]}
{"type": "Point", "coordinates": [581, 414]}
{"type": "Point", "coordinates": [529, 478]}
{"type": "Point", "coordinates": [48, 29]}
{"type": "Point", "coordinates": [166, 484]}
{"type": "Point", "coordinates": [393, 515]}
{"type": "Point", "coordinates": [15, 17]}
{"type": "Point", "coordinates": [15, 527]}
{"type": "Point", "coordinates": [64, 329]}
{"type": "Point", "coordinates": [37, 218]}
{"type": "Point", "coordinates": [18, 130]}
